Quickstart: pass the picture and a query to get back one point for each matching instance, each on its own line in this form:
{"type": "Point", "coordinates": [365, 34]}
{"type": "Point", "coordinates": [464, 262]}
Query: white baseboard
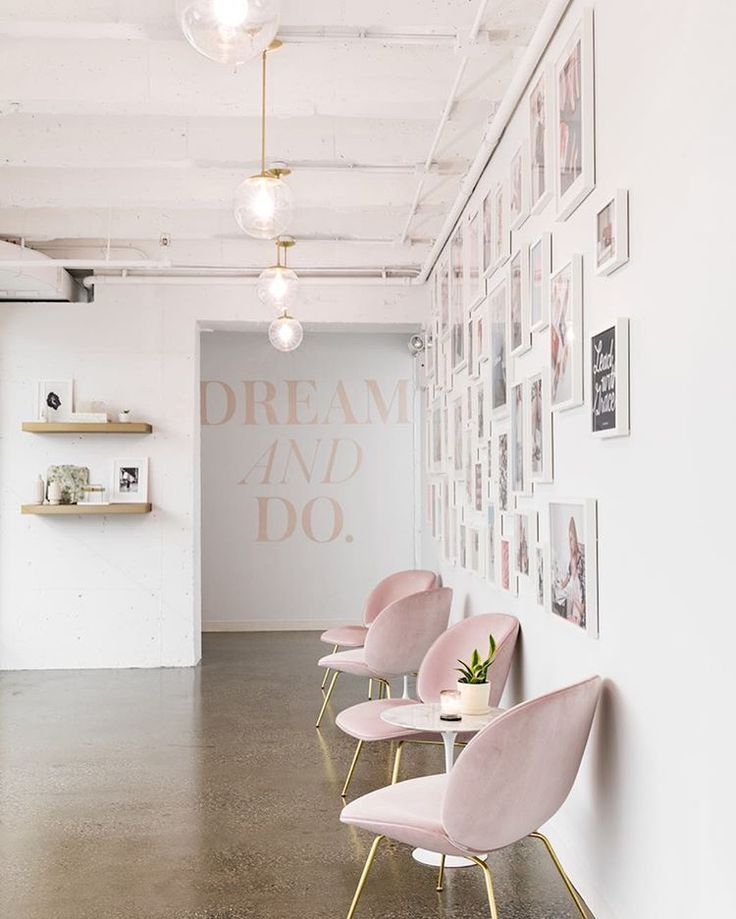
{"type": "Point", "coordinates": [270, 625]}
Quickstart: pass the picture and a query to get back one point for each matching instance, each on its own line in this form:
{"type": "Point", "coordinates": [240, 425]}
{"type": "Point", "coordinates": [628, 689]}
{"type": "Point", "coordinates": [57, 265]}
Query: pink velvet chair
{"type": "Point", "coordinates": [510, 780]}
{"type": "Point", "coordinates": [437, 672]}
{"type": "Point", "coordinates": [396, 642]}
{"type": "Point", "coordinates": [394, 587]}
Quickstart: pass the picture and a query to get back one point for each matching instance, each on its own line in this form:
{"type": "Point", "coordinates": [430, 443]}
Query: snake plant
{"type": "Point", "coordinates": [476, 670]}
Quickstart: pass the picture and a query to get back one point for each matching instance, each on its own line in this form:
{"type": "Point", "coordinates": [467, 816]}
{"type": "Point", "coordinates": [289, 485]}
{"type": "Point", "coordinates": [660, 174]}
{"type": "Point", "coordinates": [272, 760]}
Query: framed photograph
{"type": "Point", "coordinates": [474, 279]}
{"type": "Point", "coordinates": [129, 481]}
{"type": "Point", "coordinates": [540, 574]}
{"type": "Point", "coordinates": [609, 371]}
{"type": "Point", "coordinates": [573, 568]}
{"type": "Point", "coordinates": [519, 316]}
{"type": "Point", "coordinates": [457, 306]}
{"type": "Point", "coordinates": [436, 437]}
{"type": "Point", "coordinates": [487, 225]}
{"type": "Point", "coordinates": [575, 117]}
{"type": "Point", "coordinates": [449, 527]}
{"type": "Point", "coordinates": [490, 547]}
{"type": "Point", "coordinates": [518, 188]}
{"type": "Point", "coordinates": [540, 429]}
{"type": "Point", "coordinates": [525, 527]}
{"type": "Point", "coordinates": [507, 581]}
{"type": "Point", "coordinates": [500, 462]}
{"type": "Point", "coordinates": [475, 554]}
{"type": "Point", "coordinates": [540, 269]}
{"type": "Point", "coordinates": [456, 437]}
{"type": "Point", "coordinates": [540, 144]}
{"type": "Point", "coordinates": [566, 335]}
{"type": "Point", "coordinates": [501, 232]}
{"type": "Point", "coordinates": [480, 425]}
{"type": "Point", "coordinates": [518, 465]}
{"type": "Point", "coordinates": [498, 310]}
{"type": "Point", "coordinates": [443, 295]}
{"type": "Point", "coordinates": [55, 400]}
{"type": "Point", "coordinates": [612, 234]}
{"type": "Point", "coordinates": [481, 330]}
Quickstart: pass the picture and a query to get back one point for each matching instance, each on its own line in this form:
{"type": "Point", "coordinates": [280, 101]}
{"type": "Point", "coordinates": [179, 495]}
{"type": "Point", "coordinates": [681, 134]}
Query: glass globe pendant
{"type": "Point", "coordinates": [229, 31]}
{"type": "Point", "coordinates": [278, 286]}
{"type": "Point", "coordinates": [263, 203]}
{"type": "Point", "coordinates": [285, 333]}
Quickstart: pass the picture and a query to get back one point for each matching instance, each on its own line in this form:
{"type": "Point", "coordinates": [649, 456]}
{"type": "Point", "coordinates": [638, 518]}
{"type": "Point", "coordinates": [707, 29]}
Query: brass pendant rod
{"type": "Point", "coordinates": [263, 113]}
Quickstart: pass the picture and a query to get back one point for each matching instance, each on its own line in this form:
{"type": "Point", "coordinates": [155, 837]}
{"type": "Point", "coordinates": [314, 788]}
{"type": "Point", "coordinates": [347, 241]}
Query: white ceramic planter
{"type": "Point", "coordinates": [474, 698]}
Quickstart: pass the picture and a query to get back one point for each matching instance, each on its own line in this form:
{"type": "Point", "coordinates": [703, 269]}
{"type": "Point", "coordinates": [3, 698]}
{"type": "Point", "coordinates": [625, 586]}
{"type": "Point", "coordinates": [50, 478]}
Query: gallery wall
{"type": "Point", "coordinates": [641, 833]}
{"type": "Point", "coordinates": [124, 591]}
{"type": "Point", "coordinates": [308, 477]}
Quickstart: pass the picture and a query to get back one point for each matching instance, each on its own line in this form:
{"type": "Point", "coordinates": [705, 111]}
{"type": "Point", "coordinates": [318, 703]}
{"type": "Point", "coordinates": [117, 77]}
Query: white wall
{"type": "Point", "coordinates": [644, 832]}
{"type": "Point", "coordinates": [308, 497]}
{"type": "Point", "coordinates": [123, 592]}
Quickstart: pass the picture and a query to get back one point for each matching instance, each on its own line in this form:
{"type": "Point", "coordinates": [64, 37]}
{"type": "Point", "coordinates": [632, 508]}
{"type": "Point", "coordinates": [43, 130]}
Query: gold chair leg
{"type": "Point", "coordinates": [384, 689]}
{"type": "Point", "coordinates": [397, 763]}
{"type": "Point", "coordinates": [327, 670]}
{"type": "Point", "coordinates": [364, 876]}
{"type": "Point", "coordinates": [335, 675]}
{"type": "Point", "coordinates": [441, 876]}
{"type": "Point", "coordinates": [351, 770]}
{"type": "Point", "coordinates": [563, 875]}
{"type": "Point", "coordinates": [489, 885]}
{"type": "Point", "coordinates": [370, 690]}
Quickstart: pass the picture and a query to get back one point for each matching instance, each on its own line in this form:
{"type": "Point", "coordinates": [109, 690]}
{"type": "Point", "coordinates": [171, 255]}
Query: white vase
{"type": "Point", "coordinates": [54, 493]}
{"type": "Point", "coordinates": [39, 491]}
{"type": "Point", "coordinates": [474, 698]}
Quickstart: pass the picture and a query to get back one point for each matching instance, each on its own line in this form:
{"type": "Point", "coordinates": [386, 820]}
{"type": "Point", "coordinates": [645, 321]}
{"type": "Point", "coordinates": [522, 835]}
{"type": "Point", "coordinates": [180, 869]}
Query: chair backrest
{"type": "Point", "coordinates": [393, 588]}
{"type": "Point", "coordinates": [517, 772]}
{"type": "Point", "coordinates": [438, 667]}
{"type": "Point", "coordinates": [402, 634]}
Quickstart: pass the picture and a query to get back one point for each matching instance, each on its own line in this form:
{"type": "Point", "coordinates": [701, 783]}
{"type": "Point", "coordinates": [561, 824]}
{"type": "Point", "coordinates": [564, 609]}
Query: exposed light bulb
{"type": "Point", "coordinates": [278, 288]}
{"type": "Point", "coordinates": [229, 31]}
{"type": "Point", "coordinates": [263, 206]}
{"type": "Point", "coordinates": [285, 333]}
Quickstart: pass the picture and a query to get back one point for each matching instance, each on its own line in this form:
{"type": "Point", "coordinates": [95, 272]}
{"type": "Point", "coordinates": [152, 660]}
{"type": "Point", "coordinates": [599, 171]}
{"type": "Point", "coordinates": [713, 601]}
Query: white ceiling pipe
{"type": "Point", "coordinates": [305, 35]}
{"type": "Point", "coordinates": [205, 281]}
{"type": "Point", "coordinates": [86, 264]}
{"type": "Point", "coordinates": [543, 34]}
{"type": "Point", "coordinates": [449, 105]}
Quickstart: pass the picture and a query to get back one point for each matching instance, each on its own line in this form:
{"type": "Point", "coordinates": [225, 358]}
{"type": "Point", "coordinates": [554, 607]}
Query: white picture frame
{"type": "Point", "coordinates": [498, 313]}
{"type": "Point", "coordinates": [129, 481]}
{"type": "Point", "coordinates": [486, 211]}
{"type": "Point", "coordinates": [501, 233]}
{"type": "Point", "coordinates": [572, 575]}
{"type": "Point", "coordinates": [500, 452]}
{"type": "Point", "coordinates": [540, 273]}
{"type": "Point", "coordinates": [490, 568]}
{"type": "Point", "coordinates": [519, 186]}
{"type": "Point", "coordinates": [541, 566]}
{"type": "Point", "coordinates": [519, 477]}
{"type": "Point", "coordinates": [457, 297]}
{"type": "Point", "coordinates": [541, 160]}
{"type": "Point", "coordinates": [610, 380]}
{"type": "Point", "coordinates": [566, 335]}
{"type": "Point", "coordinates": [612, 234]}
{"type": "Point", "coordinates": [437, 437]}
{"type": "Point", "coordinates": [55, 400]}
{"type": "Point", "coordinates": [524, 538]}
{"type": "Point", "coordinates": [520, 338]}
{"type": "Point", "coordinates": [541, 453]}
{"type": "Point", "coordinates": [574, 76]}
{"type": "Point", "coordinates": [474, 268]}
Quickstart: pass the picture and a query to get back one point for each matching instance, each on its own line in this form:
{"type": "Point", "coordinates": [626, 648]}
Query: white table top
{"type": "Point", "coordinates": [425, 716]}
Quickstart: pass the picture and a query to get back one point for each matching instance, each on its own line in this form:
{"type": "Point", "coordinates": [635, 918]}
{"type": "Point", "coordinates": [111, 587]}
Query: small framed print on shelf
{"type": "Point", "coordinates": [54, 400]}
{"type": "Point", "coordinates": [129, 481]}
{"type": "Point", "coordinates": [612, 234]}
{"type": "Point", "coordinates": [609, 370]}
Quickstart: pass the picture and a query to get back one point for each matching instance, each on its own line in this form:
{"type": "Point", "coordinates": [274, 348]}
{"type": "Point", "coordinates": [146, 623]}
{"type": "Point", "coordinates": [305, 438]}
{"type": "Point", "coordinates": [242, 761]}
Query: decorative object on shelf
{"type": "Point", "coordinates": [575, 110]}
{"type": "Point", "coordinates": [55, 400]}
{"type": "Point", "coordinates": [566, 338]}
{"type": "Point", "coordinates": [229, 31]}
{"type": "Point", "coordinates": [55, 493]}
{"type": "Point", "coordinates": [125, 416]}
{"type": "Point", "coordinates": [450, 705]}
{"type": "Point", "coordinates": [285, 333]}
{"type": "Point", "coordinates": [573, 568]}
{"type": "Point", "coordinates": [129, 481]}
{"type": "Point", "coordinates": [263, 202]}
{"type": "Point", "coordinates": [94, 494]}
{"type": "Point", "coordinates": [71, 480]}
{"type": "Point", "coordinates": [278, 286]}
{"type": "Point", "coordinates": [39, 490]}
{"type": "Point", "coordinates": [612, 234]}
{"type": "Point", "coordinates": [473, 684]}
{"type": "Point", "coordinates": [609, 365]}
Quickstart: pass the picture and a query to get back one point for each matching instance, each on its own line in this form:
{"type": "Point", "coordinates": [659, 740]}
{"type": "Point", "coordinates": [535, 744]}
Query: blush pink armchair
{"type": "Point", "coordinates": [510, 780]}
{"type": "Point", "coordinates": [437, 672]}
{"type": "Point", "coordinates": [396, 642]}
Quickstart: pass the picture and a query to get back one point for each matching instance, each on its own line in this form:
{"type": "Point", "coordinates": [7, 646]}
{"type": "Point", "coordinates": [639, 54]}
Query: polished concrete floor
{"type": "Point", "coordinates": [208, 794]}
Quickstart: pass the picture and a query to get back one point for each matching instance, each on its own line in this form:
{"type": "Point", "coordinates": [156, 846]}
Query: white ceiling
{"type": "Point", "coordinates": [111, 125]}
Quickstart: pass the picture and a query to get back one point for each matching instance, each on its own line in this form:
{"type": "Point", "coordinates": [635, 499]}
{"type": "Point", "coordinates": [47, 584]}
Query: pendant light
{"type": "Point", "coordinates": [285, 333]}
{"type": "Point", "coordinates": [278, 286]}
{"type": "Point", "coordinates": [229, 31]}
{"type": "Point", "coordinates": [263, 202]}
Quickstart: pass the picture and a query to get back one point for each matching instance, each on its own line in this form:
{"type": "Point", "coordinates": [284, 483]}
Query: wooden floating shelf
{"type": "Point", "coordinates": [87, 427]}
{"type": "Point", "coordinates": [84, 510]}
